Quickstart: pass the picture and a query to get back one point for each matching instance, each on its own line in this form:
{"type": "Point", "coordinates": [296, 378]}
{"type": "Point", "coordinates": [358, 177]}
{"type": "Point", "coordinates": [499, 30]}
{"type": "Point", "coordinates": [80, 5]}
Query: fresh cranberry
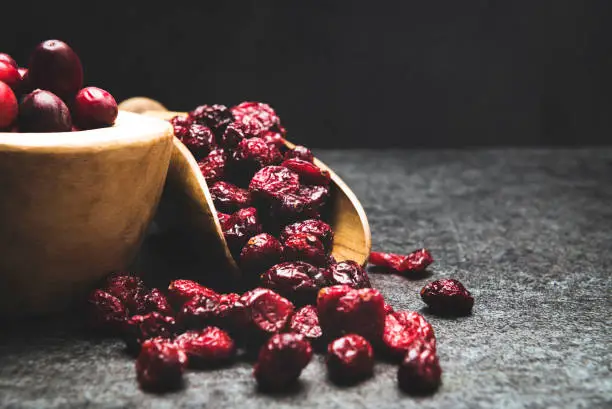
{"type": "Point", "coordinates": [420, 372]}
{"type": "Point", "coordinates": [268, 312]}
{"type": "Point", "coordinates": [213, 165]}
{"type": "Point", "coordinates": [181, 291]}
{"type": "Point", "coordinates": [8, 59]}
{"type": "Point", "coordinates": [300, 152]}
{"type": "Point", "coordinates": [139, 328]}
{"type": "Point", "coordinates": [447, 297]}
{"type": "Point", "coordinates": [106, 312]}
{"type": "Point", "coordinates": [317, 228]}
{"type": "Point", "coordinates": [199, 139]}
{"type": "Point", "coordinates": [55, 67]}
{"type": "Point", "coordinates": [154, 300]}
{"type": "Point", "coordinates": [209, 347]}
{"type": "Point", "coordinates": [281, 361]}
{"type": "Point", "coordinates": [273, 181]}
{"type": "Point", "coordinates": [94, 108]}
{"type": "Point", "coordinates": [130, 290]}
{"type": "Point", "coordinates": [306, 247]}
{"type": "Point", "coordinates": [310, 174]}
{"type": "Point", "coordinates": [306, 322]}
{"type": "Point", "coordinates": [199, 312]}
{"type": "Point", "coordinates": [350, 359]}
{"type": "Point", "coordinates": [228, 197]}
{"type": "Point", "coordinates": [298, 281]}
{"type": "Point", "coordinates": [415, 262]}
{"type": "Point", "coordinates": [237, 131]}
{"type": "Point", "coordinates": [223, 219]}
{"type": "Point", "coordinates": [216, 117]}
{"type": "Point", "coordinates": [242, 225]}
{"type": "Point", "coordinates": [160, 365]}
{"type": "Point", "coordinates": [404, 328]}
{"type": "Point", "coordinates": [42, 111]}
{"type": "Point", "coordinates": [10, 76]}
{"type": "Point", "coordinates": [260, 253]}
{"type": "Point", "coordinates": [275, 139]}
{"type": "Point", "coordinates": [348, 272]}
{"type": "Point", "coordinates": [9, 107]}
{"type": "Point", "coordinates": [258, 110]}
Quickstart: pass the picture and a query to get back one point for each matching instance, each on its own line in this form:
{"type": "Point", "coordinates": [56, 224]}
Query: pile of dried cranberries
{"type": "Point", "coordinates": [271, 206]}
{"type": "Point", "coordinates": [48, 96]}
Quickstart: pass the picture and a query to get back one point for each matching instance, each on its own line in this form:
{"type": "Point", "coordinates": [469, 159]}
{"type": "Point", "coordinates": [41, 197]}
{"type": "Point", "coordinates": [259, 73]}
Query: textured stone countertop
{"type": "Point", "coordinates": [529, 232]}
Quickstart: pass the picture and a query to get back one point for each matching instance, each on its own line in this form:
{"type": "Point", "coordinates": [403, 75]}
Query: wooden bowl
{"type": "Point", "coordinates": [75, 207]}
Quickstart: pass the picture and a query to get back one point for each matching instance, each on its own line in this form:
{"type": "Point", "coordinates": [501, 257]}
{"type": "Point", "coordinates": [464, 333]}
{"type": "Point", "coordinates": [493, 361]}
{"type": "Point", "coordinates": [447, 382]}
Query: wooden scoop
{"type": "Point", "coordinates": [186, 204]}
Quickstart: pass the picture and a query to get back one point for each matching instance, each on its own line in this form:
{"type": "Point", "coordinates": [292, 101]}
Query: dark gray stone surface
{"type": "Point", "coordinates": [528, 232]}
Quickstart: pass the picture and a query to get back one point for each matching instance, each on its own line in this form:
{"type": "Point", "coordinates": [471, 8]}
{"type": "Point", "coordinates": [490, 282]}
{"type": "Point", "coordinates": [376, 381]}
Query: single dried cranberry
{"type": "Point", "coordinates": [223, 219]}
{"type": "Point", "coordinates": [9, 107]}
{"type": "Point", "coordinates": [199, 139]}
{"type": "Point", "coordinates": [260, 253]}
{"type": "Point", "coordinates": [250, 155]}
{"type": "Point", "coordinates": [242, 225]}
{"type": "Point", "coordinates": [306, 247]}
{"type": "Point", "coordinates": [237, 131]}
{"type": "Point", "coordinates": [273, 181]}
{"type": "Point", "coordinates": [275, 139]}
{"type": "Point", "coordinates": [327, 301]}
{"type": "Point", "coordinates": [181, 291]}
{"type": "Point", "coordinates": [300, 152]}
{"type": "Point", "coordinates": [160, 365]}
{"type": "Point", "coordinates": [404, 328]}
{"type": "Point", "coordinates": [447, 297]}
{"type": "Point", "coordinates": [216, 117]}
{"type": "Point", "coordinates": [55, 67]}
{"type": "Point", "coordinates": [268, 312]}
{"type": "Point", "coordinates": [318, 228]}
{"type": "Point", "coordinates": [155, 300]}
{"type": "Point", "coordinates": [314, 196]}
{"type": "Point", "coordinates": [420, 372]}
{"type": "Point", "coordinates": [348, 272]}
{"type": "Point", "coordinates": [306, 322]}
{"type": "Point", "coordinates": [281, 361]}
{"type": "Point", "coordinates": [228, 197]}
{"type": "Point", "coordinates": [414, 262]}
{"type": "Point", "coordinates": [298, 281]}
{"type": "Point", "coordinates": [350, 359]}
{"type": "Point", "coordinates": [181, 126]}
{"type": "Point", "coordinates": [130, 290]}
{"type": "Point", "coordinates": [106, 312]}
{"type": "Point", "coordinates": [94, 108]}
{"type": "Point", "coordinates": [139, 328]}
{"type": "Point", "coordinates": [304, 204]}
{"type": "Point", "coordinates": [389, 309]}
{"type": "Point", "coordinates": [10, 76]}
{"type": "Point", "coordinates": [43, 111]}
{"type": "Point", "coordinates": [310, 174]}
{"type": "Point", "coordinates": [232, 314]}
{"type": "Point", "coordinates": [258, 110]}
{"type": "Point", "coordinates": [8, 59]}
{"type": "Point", "coordinates": [213, 165]}
{"type": "Point", "coordinates": [209, 347]}
{"type": "Point", "coordinates": [199, 312]}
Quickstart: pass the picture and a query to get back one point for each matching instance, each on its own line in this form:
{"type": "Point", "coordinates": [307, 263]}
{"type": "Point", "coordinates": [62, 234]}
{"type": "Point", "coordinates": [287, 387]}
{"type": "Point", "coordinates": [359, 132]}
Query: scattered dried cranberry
{"type": "Point", "coordinates": [209, 347]}
{"type": "Point", "coordinates": [213, 165]}
{"type": "Point", "coordinates": [252, 154]}
{"type": "Point", "coordinates": [298, 281]}
{"type": "Point", "coordinates": [228, 197]}
{"type": "Point", "coordinates": [242, 225]}
{"type": "Point", "coordinates": [403, 329]}
{"type": "Point", "coordinates": [310, 174]}
{"type": "Point", "coordinates": [139, 328]}
{"type": "Point", "coordinates": [281, 361]}
{"type": "Point", "coordinates": [199, 312]}
{"type": "Point", "coordinates": [350, 359]}
{"type": "Point", "coordinates": [199, 139]}
{"type": "Point", "coordinates": [223, 219]}
{"type": "Point", "coordinates": [318, 228]}
{"type": "Point", "coordinates": [420, 372]}
{"type": "Point", "coordinates": [155, 300]}
{"type": "Point", "coordinates": [447, 297]}
{"type": "Point", "coordinates": [258, 110]}
{"type": "Point", "coordinates": [160, 365]}
{"type": "Point", "coordinates": [327, 301]}
{"type": "Point", "coordinates": [389, 309]}
{"type": "Point", "coordinates": [260, 253]}
{"type": "Point", "coordinates": [274, 138]}
{"type": "Point", "coordinates": [216, 117]}
{"type": "Point", "coordinates": [237, 131]}
{"type": "Point", "coordinates": [306, 247]}
{"type": "Point", "coordinates": [306, 322]}
{"type": "Point", "coordinates": [181, 291]}
{"type": "Point", "coordinates": [268, 312]}
{"type": "Point", "coordinates": [232, 314]}
{"type": "Point", "coordinates": [273, 181]}
{"type": "Point", "coordinates": [106, 312]}
{"type": "Point", "coordinates": [414, 262]}
{"type": "Point", "coordinates": [300, 152]}
{"type": "Point", "coordinates": [348, 272]}
{"type": "Point", "coordinates": [130, 290]}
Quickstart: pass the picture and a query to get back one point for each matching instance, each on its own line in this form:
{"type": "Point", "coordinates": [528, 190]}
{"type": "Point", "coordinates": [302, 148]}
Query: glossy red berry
{"type": "Point", "coordinates": [181, 291]}
{"type": "Point", "coordinates": [414, 262]}
{"type": "Point", "coordinates": [228, 197]}
{"type": "Point", "coordinates": [300, 152]}
{"type": "Point", "coordinates": [8, 106]}
{"type": "Point", "coordinates": [242, 225]}
{"type": "Point", "coordinates": [272, 181]}
{"type": "Point", "coordinates": [305, 247]}
{"type": "Point", "coordinates": [268, 312]}
{"type": "Point", "coordinates": [310, 174]}
{"type": "Point", "coordinates": [349, 359]}
{"type": "Point", "coordinates": [420, 372]}
{"type": "Point", "coordinates": [42, 111]}
{"type": "Point", "coordinates": [206, 348]}
{"type": "Point", "coordinates": [318, 228]}
{"type": "Point", "coordinates": [8, 59]}
{"type": "Point", "coordinates": [106, 312]}
{"type": "Point", "coordinates": [213, 166]}
{"type": "Point", "coordinates": [305, 321]}
{"type": "Point", "coordinates": [10, 76]}
{"type": "Point", "coordinates": [55, 67]}
{"type": "Point", "coordinates": [403, 329]}
{"type": "Point", "coordinates": [348, 272]}
{"type": "Point", "coordinates": [298, 281]}
{"type": "Point", "coordinates": [94, 108]}
{"type": "Point", "coordinates": [260, 253]}
{"type": "Point", "coordinates": [160, 365]}
{"type": "Point", "coordinates": [447, 297]}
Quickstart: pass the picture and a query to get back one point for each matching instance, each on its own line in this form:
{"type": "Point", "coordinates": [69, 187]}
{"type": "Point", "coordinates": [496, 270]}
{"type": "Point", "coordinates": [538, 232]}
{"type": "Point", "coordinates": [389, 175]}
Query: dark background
{"type": "Point", "coordinates": [353, 73]}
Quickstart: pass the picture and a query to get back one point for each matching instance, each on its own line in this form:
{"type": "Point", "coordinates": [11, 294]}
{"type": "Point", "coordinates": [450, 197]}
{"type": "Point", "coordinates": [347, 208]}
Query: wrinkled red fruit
{"type": "Point", "coordinates": [237, 131]}
{"type": "Point", "coordinates": [359, 311]}
{"type": "Point", "coordinates": [229, 198]}
{"type": "Point", "coordinates": [306, 322]}
{"type": "Point", "coordinates": [310, 174]}
{"type": "Point", "coordinates": [181, 291]}
{"type": "Point", "coordinates": [306, 247]}
{"type": "Point", "coordinates": [156, 301]}
{"type": "Point", "coordinates": [348, 272]}
{"type": "Point", "coordinates": [258, 110]}
{"type": "Point", "coordinates": [281, 361]}
{"type": "Point", "coordinates": [242, 224]}
{"type": "Point", "coordinates": [389, 309]}
{"type": "Point", "coordinates": [317, 228]}
{"type": "Point", "coordinates": [403, 329]}
{"type": "Point", "coordinates": [275, 139]}
{"type": "Point", "coordinates": [268, 312]}
{"type": "Point", "coordinates": [216, 117]}
{"type": "Point", "coordinates": [199, 312]}
{"type": "Point", "coordinates": [273, 181]}
{"type": "Point", "coordinates": [10, 76]}
{"type": "Point", "coordinates": [327, 301]}
{"type": "Point", "coordinates": [139, 328]}
{"type": "Point", "coordinates": [298, 281]}
{"type": "Point", "coordinates": [447, 297]}
{"type": "Point", "coordinates": [8, 59]}
{"type": "Point", "coordinates": [252, 154]}
{"type": "Point", "coordinates": [181, 125]}
{"type": "Point", "coordinates": [55, 67]}
{"type": "Point", "coordinates": [209, 347]}
{"type": "Point", "coordinates": [300, 152]}
{"type": "Point", "coordinates": [160, 365]}
{"type": "Point", "coordinates": [414, 262]}
{"type": "Point", "coordinates": [304, 204]}
{"type": "Point", "coordinates": [130, 290]}
{"type": "Point", "coordinates": [8, 106]}
{"type": "Point", "coordinates": [350, 359]}
{"type": "Point", "coordinates": [94, 108]}
{"type": "Point", "coordinates": [419, 372]}
{"type": "Point", "coordinates": [199, 139]}
{"type": "Point", "coordinates": [223, 219]}
{"type": "Point", "coordinates": [260, 253]}
{"type": "Point", "coordinates": [42, 111]}
{"type": "Point", "coordinates": [232, 314]}
{"type": "Point", "coordinates": [106, 312]}
{"type": "Point", "coordinates": [213, 165]}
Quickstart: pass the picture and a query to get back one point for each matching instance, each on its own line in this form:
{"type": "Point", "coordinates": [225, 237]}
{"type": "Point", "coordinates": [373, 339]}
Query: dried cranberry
{"type": "Point", "coordinates": [216, 117]}
{"type": "Point", "coordinates": [199, 139]}
{"type": "Point", "coordinates": [297, 280]}
{"type": "Point", "coordinates": [260, 253]}
{"type": "Point", "coordinates": [242, 225]}
{"type": "Point", "coordinates": [350, 359]}
{"type": "Point", "coordinates": [447, 297]}
{"type": "Point", "coordinates": [237, 131]}
{"type": "Point", "coordinates": [300, 152]}
{"type": "Point", "coordinates": [274, 138]}
{"type": "Point", "coordinates": [281, 361]}
{"type": "Point", "coordinates": [389, 309]}
{"type": "Point", "coordinates": [213, 165]}
{"type": "Point", "coordinates": [311, 226]}
{"type": "Point", "coordinates": [130, 290]}
{"type": "Point", "coordinates": [420, 372]}
{"type": "Point", "coordinates": [154, 300]}
{"type": "Point", "coordinates": [268, 312]}
{"type": "Point", "coordinates": [181, 125]}
{"type": "Point", "coordinates": [314, 196]}
{"type": "Point", "coordinates": [250, 155]}
{"type": "Point", "coordinates": [404, 328]}
{"type": "Point", "coordinates": [306, 322]}
{"type": "Point", "coordinates": [181, 291]}
{"type": "Point", "coordinates": [273, 181]}
{"type": "Point", "coordinates": [160, 365]}
{"type": "Point", "coordinates": [348, 272]}
{"type": "Point", "coordinates": [232, 314]}
{"type": "Point", "coordinates": [306, 247]}
{"type": "Point", "coordinates": [139, 328]}
{"type": "Point", "coordinates": [258, 110]}
{"type": "Point", "coordinates": [304, 204]}
{"type": "Point", "coordinates": [414, 262]}
{"type": "Point", "coordinates": [223, 219]}
{"type": "Point", "coordinates": [106, 312]}
{"type": "Point", "coordinates": [209, 347]}
{"type": "Point", "coordinates": [310, 174]}
{"type": "Point", "coordinates": [199, 312]}
{"type": "Point", "coordinates": [228, 197]}
{"type": "Point", "coordinates": [327, 301]}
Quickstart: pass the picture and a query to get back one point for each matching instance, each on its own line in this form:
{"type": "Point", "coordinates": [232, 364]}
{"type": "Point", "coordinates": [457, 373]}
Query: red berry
{"type": "Point", "coordinates": [260, 253]}
{"type": "Point", "coordinates": [310, 174]}
{"type": "Point", "coordinates": [228, 197]}
{"type": "Point", "coordinates": [139, 328]}
{"type": "Point", "coordinates": [305, 247]}
{"type": "Point", "coordinates": [300, 152]}
{"type": "Point", "coordinates": [8, 59]}
{"type": "Point", "coordinates": [348, 272]}
{"type": "Point", "coordinates": [94, 108]}
{"type": "Point", "coordinates": [209, 347]}
{"type": "Point", "coordinates": [223, 219]}
{"type": "Point", "coordinates": [268, 312]}
{"type": "Point", "coordinates": [281, 361]}
{"type": "Point", "coordinates": [273, 181]}
{"type": "Point", "coordinates": [232, 314]}
{"type": "Point", "coordinates": [8, 106]}
{"type": "Point", "coordinates": [350, 359]}
{"type": "Point", "coordinates": [160, 365]}
{"type": "Point", "coordinates": [250, 155]}
{"type": "Point", "coordinates": [274, 138]}
{"type": "Point", "coordinates": [306, 322]}
{"type": "Point", "coordinates": [155, 301]}
{"type": "Point", "coordinates": [242, 225]}
{"type": "Point", "coordinates": [42, 111]}
{"type": "Point", "coordinates": [199, 312]}
{"type": "Point", "coordinates": [181, 291]}
{"type": "Point", "coordinates": [447, 297]}
{"type": "Point", "coordinates": [106, 312]}
{"type": "Point", "coordinates": [298, 281]}
{"type": "Point", "coordinates": [414, 262]}
{"type": "Point", "coordinates": [199, 139]}
{"type": "Point", "coordinates": [318, 228]}
{"type": "Point", "coordinates": [389, 309]}
{"type": "Point", "coordinates": [258, 110]}
{"type": "Point", "coordinates": [327, 301]}
{"type": "Point", "coordinates": [55, 67]}
{"type": "Point", "coordinates": [403, 329]}
{"type": "Point", "coordinates": [181, 125]}
{"type": "Point", "coordinates": [130, 290]}
{"type": "Point", "coordinates": [213, 165]}
{"type": "Point", "coordinates": [420, 372]}
{"type": "Point", "coordinates": [304, 204]}
{"type": "Point", "coordinates": [10, 76]}
{"type": "Point", "coordinates": [237, 131]}
{"type": "Point", "coordinates": [216, 117]}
